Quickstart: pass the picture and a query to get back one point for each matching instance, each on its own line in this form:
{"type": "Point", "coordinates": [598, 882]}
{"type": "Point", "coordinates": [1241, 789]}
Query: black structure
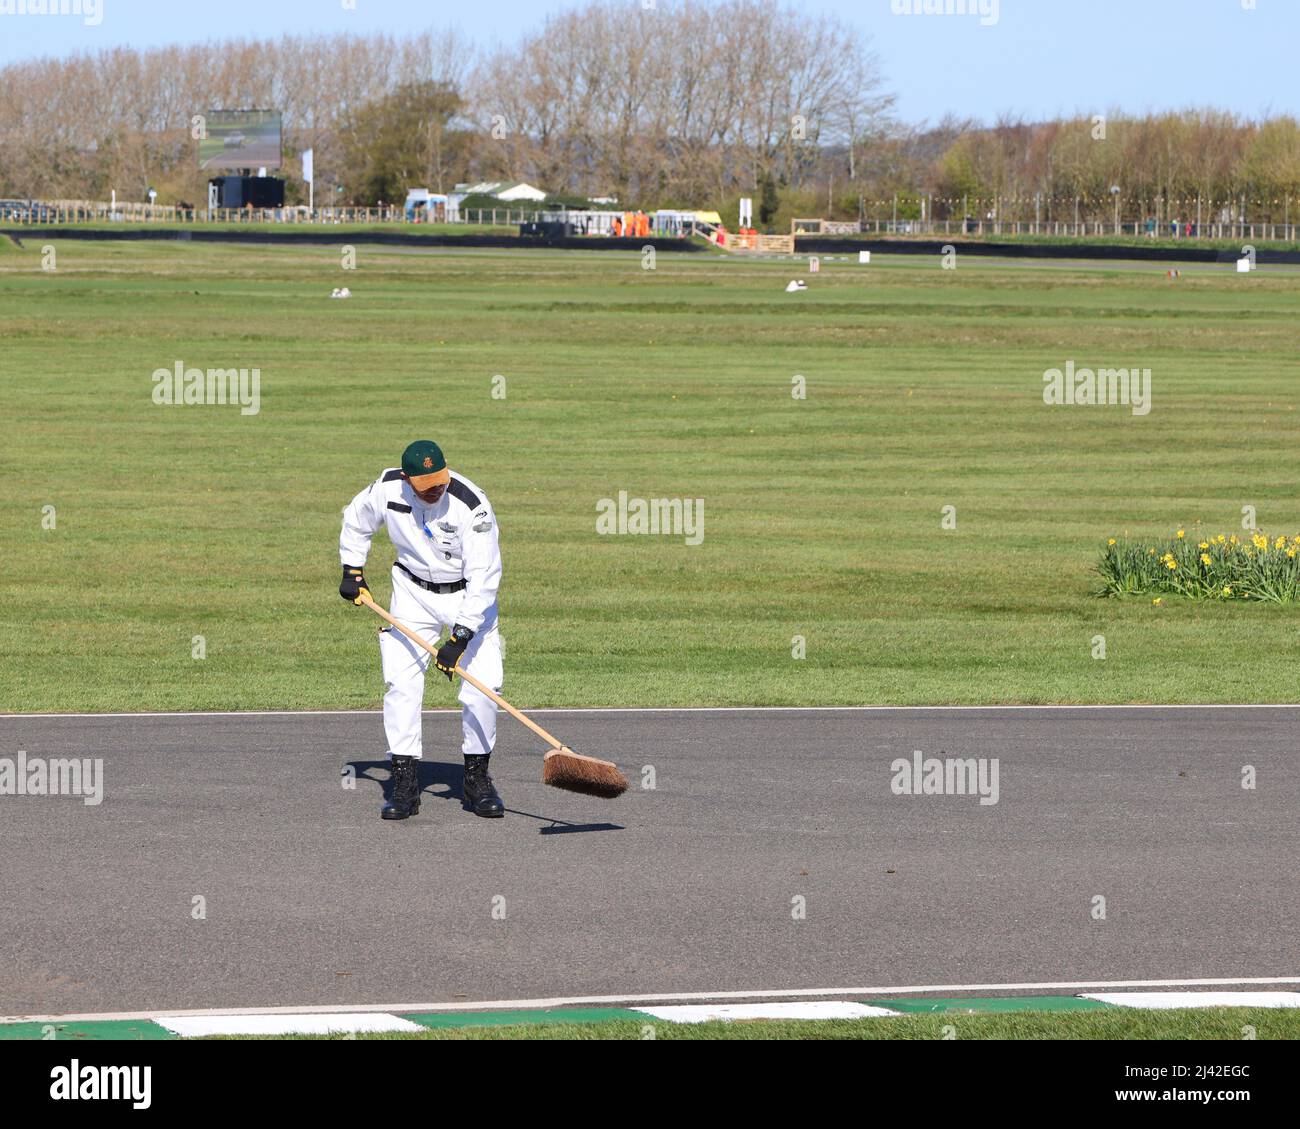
{"type": "Point", "coordinates": [241, 191]}
{"type": "Point", "coordinates": [549, 229]}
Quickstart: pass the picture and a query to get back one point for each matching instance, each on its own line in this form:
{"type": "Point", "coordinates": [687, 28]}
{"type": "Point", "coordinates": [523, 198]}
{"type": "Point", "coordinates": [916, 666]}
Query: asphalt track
{"type": "Point", "coordinates": [312, 900]}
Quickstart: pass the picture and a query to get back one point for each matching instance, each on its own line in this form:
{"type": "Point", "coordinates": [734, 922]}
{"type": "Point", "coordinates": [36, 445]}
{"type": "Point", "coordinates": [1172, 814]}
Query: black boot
{"type": "Point", "coordinates": [404, 795]}
{"type": "Point", "coordinates": [480, 796]}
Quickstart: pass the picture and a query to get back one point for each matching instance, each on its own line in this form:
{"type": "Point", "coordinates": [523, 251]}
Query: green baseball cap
{"type": "Point", "coordinates": [424, 465]}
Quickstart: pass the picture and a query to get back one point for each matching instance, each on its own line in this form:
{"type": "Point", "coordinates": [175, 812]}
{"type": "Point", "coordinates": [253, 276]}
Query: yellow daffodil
{"type": "Point", "coordinates": [1227, 590]}
{"type": "Point", "coordinates": [1203, 545]}
{"type": "Point", "coordinates": [1180, 534]}
{"type": "Point", "coordinates": [1205, 558]}
{"type": "Point", "coordinates": [1280, 543]}
{"type": "Point", "coordinates": [1220, 538]}
{"type": "Point", "coordinates": [1171, 564]}
{"type": "Point", "coordinates": [1157, 601]}
{"type": "Point", "coordinates": [1260, 542]}
{"type": "Point", "coordinates": [1111, 541]}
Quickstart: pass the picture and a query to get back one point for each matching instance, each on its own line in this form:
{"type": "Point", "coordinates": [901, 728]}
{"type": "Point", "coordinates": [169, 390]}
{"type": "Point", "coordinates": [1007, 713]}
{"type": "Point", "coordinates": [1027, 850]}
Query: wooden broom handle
{"type": "Point", "coordinates": [418, 640]}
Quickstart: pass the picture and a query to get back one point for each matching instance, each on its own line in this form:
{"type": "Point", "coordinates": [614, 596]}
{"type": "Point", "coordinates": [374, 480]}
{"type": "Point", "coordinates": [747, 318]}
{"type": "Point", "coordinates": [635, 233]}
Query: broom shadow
{"type": "Point", "coordinates": [433, 773]}
{"type": "Point", "coordinates": [563, 827]}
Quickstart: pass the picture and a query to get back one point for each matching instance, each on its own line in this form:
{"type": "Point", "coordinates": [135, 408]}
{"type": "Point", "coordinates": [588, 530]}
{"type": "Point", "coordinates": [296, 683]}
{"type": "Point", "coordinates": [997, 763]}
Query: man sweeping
{"type": "Point", "coordinates": [446, 575]}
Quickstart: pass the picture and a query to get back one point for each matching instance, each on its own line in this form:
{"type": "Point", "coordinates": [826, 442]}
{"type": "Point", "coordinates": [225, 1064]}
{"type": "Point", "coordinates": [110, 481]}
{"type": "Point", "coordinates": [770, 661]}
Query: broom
{"type": "Point", "coordinates": [561, 766]}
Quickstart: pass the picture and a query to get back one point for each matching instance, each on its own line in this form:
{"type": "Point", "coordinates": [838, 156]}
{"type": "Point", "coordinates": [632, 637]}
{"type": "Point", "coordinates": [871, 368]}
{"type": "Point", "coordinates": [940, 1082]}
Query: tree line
{"type": "Point", "coordinates": [686, 105]}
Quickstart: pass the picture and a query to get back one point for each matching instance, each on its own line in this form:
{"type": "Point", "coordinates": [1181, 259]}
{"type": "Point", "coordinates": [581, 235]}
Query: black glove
{"type": "Point", "coordinates": [449, 653]}
{"type": "Point", "coordinates": [353, 584]}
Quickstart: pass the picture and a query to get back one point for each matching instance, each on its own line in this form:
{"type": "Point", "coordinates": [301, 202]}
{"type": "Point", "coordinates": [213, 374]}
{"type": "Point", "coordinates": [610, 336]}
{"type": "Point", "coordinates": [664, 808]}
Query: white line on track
{"type": "Point", "coordinates": [689, 709]}
{"type": "Point", "coordinates": [664, 997]}
{"type": "Point", "coordinates": [804, 1009]}
{"type": "Point", "coordinates": [1196, 999]}
{"type": "Point", "coordinates": [195, 1026]}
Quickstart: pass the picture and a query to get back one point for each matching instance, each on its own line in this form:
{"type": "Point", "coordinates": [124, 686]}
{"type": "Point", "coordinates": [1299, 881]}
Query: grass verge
{"type": "Point", "coordinates": [138, 536]}
{"type": "Point", "coordinates": [1110, 1024]}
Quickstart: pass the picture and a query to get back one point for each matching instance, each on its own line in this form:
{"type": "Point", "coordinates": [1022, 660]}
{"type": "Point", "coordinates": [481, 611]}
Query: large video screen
{"type": "Point", "coordinates": [241, 139]}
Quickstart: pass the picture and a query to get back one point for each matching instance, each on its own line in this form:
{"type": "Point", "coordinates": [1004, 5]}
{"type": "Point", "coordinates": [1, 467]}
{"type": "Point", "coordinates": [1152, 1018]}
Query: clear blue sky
{"type": "Point", "coordinates": [1041, 57]}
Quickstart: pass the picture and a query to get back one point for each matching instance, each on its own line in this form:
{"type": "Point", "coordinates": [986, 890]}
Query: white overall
{"type": "Point", "coordinates": [454, 539]}
{"type": "Point", "coordinates": [405, 665]}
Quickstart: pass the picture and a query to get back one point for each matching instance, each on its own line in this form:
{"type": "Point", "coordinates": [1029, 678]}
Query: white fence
{"type": "Point", "coordinates": [1091, 230]}
{"type": "Point", "coordinates": [62, 212]}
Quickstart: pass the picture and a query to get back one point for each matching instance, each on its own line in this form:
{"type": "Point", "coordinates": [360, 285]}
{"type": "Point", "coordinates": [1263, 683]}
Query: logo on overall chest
{"type": "Point", "coordinates": [445, 539]}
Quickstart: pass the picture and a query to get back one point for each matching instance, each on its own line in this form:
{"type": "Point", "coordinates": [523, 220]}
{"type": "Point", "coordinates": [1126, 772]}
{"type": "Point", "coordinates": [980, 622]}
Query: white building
{"type": "Point", "coordinates": [502, 190]}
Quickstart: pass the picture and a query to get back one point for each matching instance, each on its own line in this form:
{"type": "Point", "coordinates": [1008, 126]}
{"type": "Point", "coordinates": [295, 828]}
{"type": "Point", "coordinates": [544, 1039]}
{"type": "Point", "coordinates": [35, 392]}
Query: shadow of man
{"type": "Point", "coordinates": [430, 773]}
{"type": "Point", "coordinates": [451, 775]}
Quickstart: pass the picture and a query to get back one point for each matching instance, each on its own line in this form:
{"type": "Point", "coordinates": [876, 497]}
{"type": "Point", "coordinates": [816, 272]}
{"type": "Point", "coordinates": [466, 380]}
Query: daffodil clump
{"type": "Point", "coordinates": [1253, 566]}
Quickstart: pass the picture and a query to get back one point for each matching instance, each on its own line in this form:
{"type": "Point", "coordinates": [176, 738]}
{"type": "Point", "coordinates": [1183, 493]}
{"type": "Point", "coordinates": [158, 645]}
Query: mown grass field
{"type": "Point", "coordinates": [822, 515]}
{"type": "Point", "coordinates": [1121, 1023]}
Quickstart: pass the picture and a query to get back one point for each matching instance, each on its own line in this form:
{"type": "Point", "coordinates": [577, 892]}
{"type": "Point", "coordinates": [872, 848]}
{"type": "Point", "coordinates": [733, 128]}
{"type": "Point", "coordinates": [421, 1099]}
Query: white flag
{"type": "Point", "coordinates": [308, 173]}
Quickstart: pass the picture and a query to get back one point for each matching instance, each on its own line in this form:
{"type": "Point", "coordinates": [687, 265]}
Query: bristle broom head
{"type": "Point", "coordinates": [563, 768]}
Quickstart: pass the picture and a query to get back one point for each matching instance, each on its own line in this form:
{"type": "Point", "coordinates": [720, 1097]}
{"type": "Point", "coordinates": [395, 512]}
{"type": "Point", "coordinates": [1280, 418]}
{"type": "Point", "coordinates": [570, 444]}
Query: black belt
{"type": "Point", "coordinates": [429, 585]}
